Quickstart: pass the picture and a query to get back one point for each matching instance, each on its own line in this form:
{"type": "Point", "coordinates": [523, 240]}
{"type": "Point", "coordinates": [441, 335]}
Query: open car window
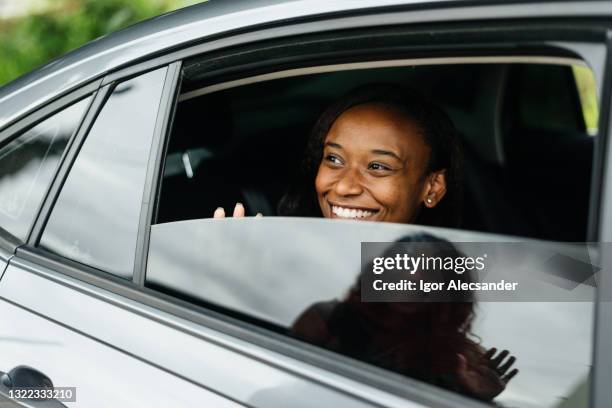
{"type": "Point", "coordinates": [244, 141]}
{"type": "Point", "coordinates": [508, 135]}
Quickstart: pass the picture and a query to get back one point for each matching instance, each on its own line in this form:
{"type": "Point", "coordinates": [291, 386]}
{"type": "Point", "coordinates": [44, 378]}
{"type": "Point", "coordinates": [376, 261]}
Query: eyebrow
{"type": "Point", "coordinates": [332, 144]}
{"type": "Point", "coordinates": [387, 153]}
{"type": "Point", "coordinates": [375, 151]}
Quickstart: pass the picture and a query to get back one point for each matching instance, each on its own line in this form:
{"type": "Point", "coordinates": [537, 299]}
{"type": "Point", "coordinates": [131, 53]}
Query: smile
{"type": "Point", "coordinates": [346, 212]}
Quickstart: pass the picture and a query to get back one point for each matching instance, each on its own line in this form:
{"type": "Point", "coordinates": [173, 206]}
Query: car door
{"type": "Point", "coordinates": [265, 272]}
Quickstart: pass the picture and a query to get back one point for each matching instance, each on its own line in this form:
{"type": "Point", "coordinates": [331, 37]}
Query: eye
{"type": "Point", "coordinates": [378, 166]}
{"type": "Point", "coordinates": [333, 159]}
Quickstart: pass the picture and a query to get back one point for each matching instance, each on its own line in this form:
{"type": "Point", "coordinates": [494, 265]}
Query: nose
{"type": "Point", "coordinates": [349, 183]}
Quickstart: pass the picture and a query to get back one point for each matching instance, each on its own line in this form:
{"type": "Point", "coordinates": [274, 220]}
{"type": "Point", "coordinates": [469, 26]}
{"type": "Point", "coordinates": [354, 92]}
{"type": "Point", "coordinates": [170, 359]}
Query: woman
{"type": "Point", "coordinates": [385, 154]}
{"type": "Point", "coordinates": [419, 335]}
{"type": "Point", "coordinates": [378, 154]}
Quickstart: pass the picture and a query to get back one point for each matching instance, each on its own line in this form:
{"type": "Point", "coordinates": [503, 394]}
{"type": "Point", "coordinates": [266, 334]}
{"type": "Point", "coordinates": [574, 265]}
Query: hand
{"type": "Point", "coordinates": [239, 212]}
{"type": "Point", "coordinates": [486, 378]}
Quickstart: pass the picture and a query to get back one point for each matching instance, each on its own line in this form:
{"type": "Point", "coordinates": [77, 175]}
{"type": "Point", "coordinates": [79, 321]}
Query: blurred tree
{"type": "Point", "coordinates": [31, 41]}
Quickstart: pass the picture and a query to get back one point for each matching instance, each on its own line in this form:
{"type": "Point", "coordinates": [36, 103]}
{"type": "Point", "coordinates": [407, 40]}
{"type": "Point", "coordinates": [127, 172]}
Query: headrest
{"type": "Point", "coordinates": [479, 121]}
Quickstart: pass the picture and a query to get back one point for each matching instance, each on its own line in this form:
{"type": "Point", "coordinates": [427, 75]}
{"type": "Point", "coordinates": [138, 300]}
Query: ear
{"type": "Point", "coordinates": [435, 188]}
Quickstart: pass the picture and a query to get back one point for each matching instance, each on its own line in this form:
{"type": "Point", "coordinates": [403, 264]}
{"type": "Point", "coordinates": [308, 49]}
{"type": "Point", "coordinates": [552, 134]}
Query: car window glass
{"type": "Point", "coordinates": [295, 276]}
{"type": "Point", "coordinates": [27, 165]}
{"type": "Point", "coordinates": [95, 220]}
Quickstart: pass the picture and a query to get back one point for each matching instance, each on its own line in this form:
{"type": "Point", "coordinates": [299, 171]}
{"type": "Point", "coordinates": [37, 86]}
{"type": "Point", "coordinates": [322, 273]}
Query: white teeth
{"type": "Point", "coordinates": [350, 212]}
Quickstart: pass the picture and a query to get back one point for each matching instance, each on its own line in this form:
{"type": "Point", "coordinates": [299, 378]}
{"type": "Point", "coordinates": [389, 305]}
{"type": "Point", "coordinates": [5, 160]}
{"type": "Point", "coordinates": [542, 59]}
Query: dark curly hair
{"type": "Point", "coordinates": [438, 133]}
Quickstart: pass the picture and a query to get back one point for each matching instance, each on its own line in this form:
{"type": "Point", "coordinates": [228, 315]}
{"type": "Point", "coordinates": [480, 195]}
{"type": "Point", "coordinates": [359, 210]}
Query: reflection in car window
{"type": "Point", "coordinates": [95, 220]}
{"type": "Point", "coordinates": [27, 165]}
{"type": "Point", "coordinates": [296, 276]}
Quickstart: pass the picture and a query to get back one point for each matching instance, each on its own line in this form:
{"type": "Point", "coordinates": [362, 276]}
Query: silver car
{"type": "Point", "coordinates": [118, 289]}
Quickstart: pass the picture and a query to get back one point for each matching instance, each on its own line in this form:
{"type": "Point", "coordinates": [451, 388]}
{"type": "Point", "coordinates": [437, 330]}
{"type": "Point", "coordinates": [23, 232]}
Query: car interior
{"type": "Point", "coordinates": [528, 155]}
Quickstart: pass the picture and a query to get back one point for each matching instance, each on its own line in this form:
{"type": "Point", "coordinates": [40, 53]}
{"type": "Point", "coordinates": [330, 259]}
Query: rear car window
{"type": "Point", "coordinates": [28, 164]}
{"type": "Point", "coordinates": [95, 219]}
{"type": "Point", "coordinates": [244, 144]}
{"type": "Point", "coordinates": [510, 130]}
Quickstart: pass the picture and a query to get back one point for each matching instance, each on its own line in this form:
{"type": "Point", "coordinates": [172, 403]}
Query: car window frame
{"type": "Point", "coordinates": [315, 356]}
{"type": "Point", "coordinates": [153, 175]}
{"type": "Point", "coordinates": [599, 391]}
{"type": "Point", "coordinates": [594, 196]}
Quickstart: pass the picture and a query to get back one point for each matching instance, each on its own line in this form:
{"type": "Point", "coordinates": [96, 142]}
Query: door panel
{"type": "Point", "coordinates": [110, 319]}
{"type": "Point", "coordinates": [103, 376]}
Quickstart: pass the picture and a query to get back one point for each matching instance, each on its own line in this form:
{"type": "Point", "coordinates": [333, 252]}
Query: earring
{"type": "Point", "coordinates": [429, 200]}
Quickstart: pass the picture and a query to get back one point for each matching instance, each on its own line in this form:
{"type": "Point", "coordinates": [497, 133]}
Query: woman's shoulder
{"type": "Point", "coordinates": [312, 324]}
{"type": "Point", "coordinates": [324, 309]}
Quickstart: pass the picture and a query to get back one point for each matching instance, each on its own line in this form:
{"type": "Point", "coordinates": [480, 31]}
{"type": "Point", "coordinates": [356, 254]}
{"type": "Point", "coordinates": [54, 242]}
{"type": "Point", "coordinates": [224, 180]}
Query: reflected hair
{"type": "Point", "coordinates": [438, 133]}
{"type": "Point", "coordinates": [436, 332]}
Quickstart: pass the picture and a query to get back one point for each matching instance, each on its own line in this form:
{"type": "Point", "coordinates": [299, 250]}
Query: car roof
{"type": "Point", "coordinates": [173, 31]}
{"type": "Point", "coordinates": [165, 32]}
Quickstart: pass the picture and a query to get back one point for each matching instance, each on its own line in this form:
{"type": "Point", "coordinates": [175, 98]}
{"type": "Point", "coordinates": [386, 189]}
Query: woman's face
{"type": "Point", "coordinates": [373, 166]}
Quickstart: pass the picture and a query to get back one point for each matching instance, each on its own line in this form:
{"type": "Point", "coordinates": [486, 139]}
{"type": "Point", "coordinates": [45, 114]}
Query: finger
{"type": "Point", "coordinates": [259, 215]}
{"type": "Point", "coordinates": [219, 213]}
{"type": "Point", "coordinates": [239, 210]}
{"type": "Point", "coordinates": [490, 376]}
{"type": "Point", "coordinates": [497, 360]}
{"type": "Point", "coordinates": [490, 353]}
{"type": "Point", "coordinates": [503, 368]}
{"type": "Point", "coordinates": [510, 376]}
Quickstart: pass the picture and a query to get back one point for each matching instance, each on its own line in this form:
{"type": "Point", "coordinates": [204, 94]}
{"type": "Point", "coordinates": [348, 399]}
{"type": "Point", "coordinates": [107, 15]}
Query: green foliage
{"type": "Point", "coordinates": [587, 90]}
{"type": "Point", "coordinates": [31, 41]}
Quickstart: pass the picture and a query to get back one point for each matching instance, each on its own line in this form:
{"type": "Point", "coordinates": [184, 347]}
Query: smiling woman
{"type": "Point", "coordinates": [380, 153]}
{"type": "Point", "coordinates": [369, 154]}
